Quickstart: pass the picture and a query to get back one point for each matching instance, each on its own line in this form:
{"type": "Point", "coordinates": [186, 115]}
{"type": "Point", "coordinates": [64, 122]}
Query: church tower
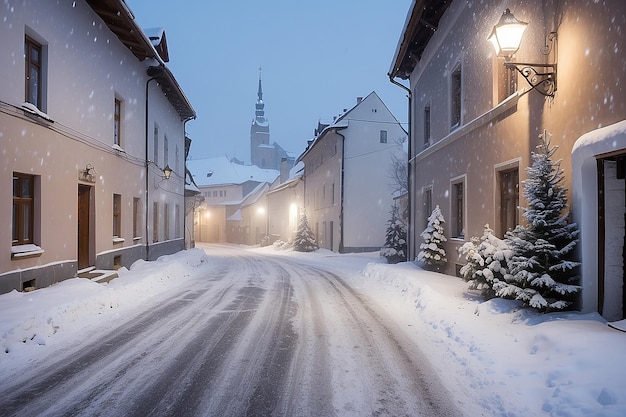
{"type": "Point", "coordinates": [260, 134]}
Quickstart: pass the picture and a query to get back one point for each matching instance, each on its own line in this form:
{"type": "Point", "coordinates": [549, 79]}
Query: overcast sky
{"type": "Point", "coordinates": [317, 57]}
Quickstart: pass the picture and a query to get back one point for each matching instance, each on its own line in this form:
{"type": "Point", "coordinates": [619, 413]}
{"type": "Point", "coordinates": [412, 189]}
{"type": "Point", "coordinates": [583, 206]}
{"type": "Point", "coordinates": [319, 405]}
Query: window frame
{"type": "Point", "coordinates": [383, 136]}
{"type": "Point", "coordinates": [19, 203]}
{"type": "Point", "coordinates": [426, 122]}
{"type": "Point", "coordinates": [427, 204]}
{"type": "Point", "coordinates": [136, 218]}
{"type": "Point", "coordinates": [456, 96]}
{"type": "Point", "coordinates": [29, 45]}
{"type": "Point", "coordinates": [117, 215]}
{"type": "Point", "coordinates": [166, 221]}
{"type": "Point", "coordinates": [155, 222]}
{"type": "Point", "coordinates": [117, 122]}
{"type": "Point", "coordinates": [458, 200]}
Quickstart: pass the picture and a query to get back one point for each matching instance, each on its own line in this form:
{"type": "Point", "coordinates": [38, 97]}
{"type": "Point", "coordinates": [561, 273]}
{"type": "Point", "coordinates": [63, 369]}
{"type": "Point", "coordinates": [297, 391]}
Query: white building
{"type": "Point", "coordinates": [347, 190]}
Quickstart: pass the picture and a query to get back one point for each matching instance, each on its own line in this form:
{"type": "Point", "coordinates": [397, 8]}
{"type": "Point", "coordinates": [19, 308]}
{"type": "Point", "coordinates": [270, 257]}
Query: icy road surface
{"type": "Point", "coordinates": [251, 335]}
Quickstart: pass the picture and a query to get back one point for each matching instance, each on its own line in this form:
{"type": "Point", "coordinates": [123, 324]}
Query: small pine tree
{"type": "Point", "coordinates": [305, 240]}
{"type": "Point", "coordinates": [542, 273]}
{"type": "Point", "coordinates": [432, 253]}
{"type": "Point", "coordinates": [394, 249]}
{"type": "Point", "coordinates": [487, 261]}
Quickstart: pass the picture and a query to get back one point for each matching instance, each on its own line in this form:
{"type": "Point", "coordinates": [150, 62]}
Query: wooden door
{"type": "Point", "coordinates": [84, 192]}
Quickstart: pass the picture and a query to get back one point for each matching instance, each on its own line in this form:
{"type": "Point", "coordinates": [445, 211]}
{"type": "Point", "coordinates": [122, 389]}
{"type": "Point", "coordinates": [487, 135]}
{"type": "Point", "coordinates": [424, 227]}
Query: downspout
{"type": "Point", "coordinates": [147, 171]}
{"type": "Point", "coordinates": [185, 182]}
{"type": "Point", "coordinates": [343, 153]}
{"type": "Point", "coordinates": [411, 229]}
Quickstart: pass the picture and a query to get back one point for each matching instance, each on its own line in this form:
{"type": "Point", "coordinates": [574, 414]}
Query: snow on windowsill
{"type": "Point", "coordinates": [118, 240]}
{"type": "Point", "coordinates": [23, 251]}
{"type": "Point", "coordinates": [136, 238]}
{"type": "Point", "coordinates": [32, 109]}
{"type": "Point", "coordinates": [117, 148]}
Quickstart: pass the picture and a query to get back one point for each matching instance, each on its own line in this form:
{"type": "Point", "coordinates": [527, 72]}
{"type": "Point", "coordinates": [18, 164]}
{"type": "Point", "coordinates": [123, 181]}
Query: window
{"type": "Point", "coordinates": [383, 136]}
{"type": "Point", "coordinates": [509, 199]}
{"type": "Point", "coordinates": [166, 151]}
{"type": "Point", "coordinates": [177, 220]}
{"type": "Point", "coordinates": [458, 200]}
{"type": "Point", "coordinates": [33, 76]}
{"type": "Point", "coordinates": [136, 217]}
{"type": "Point", "coordinates": [23, 208]}
{"type": "Point", "coordinates": [116, 122]}
{"type": "Point", "coordinates": [427, 125]}
{"type": "Point", "coordinates": [117, 215]}
{"type": "Point", "coordinates": [155, 222]}
{"type": "Point", "coordinates": [166, 217]}
{"type": "Point", "coordinates": [156, 144]}
{"type": "Point", "coordinates": [428, 205]}
{"type": "Point", "coordinates": [455, 97]}
{"type": "Point", "coordinates": [214, 193]}
{"type": "Point", "coordinates": [333, 194]}
{"type": "Point", "coordinates": [505, 81]}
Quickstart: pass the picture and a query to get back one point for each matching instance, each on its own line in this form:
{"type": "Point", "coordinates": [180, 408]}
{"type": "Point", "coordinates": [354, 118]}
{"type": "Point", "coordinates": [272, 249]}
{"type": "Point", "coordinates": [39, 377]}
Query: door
{"type": "Point", "coordinates": [84, 199]}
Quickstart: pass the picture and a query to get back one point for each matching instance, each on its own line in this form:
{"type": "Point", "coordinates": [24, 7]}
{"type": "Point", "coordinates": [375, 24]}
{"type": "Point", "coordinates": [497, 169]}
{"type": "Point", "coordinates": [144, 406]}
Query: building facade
{"type": "Point", "coordinates": [92, 124]}
{"type": "Point", "coordinates": [475, 122]}
{"type": "Point", "coordinates": [347, 191]}
{"type": "Point", "coordinates": [226, 187]}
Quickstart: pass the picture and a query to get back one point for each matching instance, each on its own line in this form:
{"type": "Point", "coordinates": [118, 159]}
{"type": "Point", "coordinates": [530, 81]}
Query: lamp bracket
{"type": "Point", "coordinates": [541, 77]}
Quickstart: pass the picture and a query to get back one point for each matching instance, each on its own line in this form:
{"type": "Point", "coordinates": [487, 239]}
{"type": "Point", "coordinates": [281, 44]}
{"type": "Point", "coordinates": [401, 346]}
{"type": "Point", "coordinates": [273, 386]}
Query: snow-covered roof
{"type": "Point", "coordinates": [221, 171]}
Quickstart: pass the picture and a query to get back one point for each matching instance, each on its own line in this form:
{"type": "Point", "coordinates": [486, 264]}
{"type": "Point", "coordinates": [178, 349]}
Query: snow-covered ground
{"type": "Point", "coordinates": [498, 359]}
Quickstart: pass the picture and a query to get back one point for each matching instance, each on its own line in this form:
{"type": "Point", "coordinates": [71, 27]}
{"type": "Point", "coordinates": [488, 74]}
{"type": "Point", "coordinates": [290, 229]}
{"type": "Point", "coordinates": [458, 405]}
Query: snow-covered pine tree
{"type": "Point", "coordinates": [432, 254]}
{"type": "Point", "coordinates": [542, 273]}
{"type": "Point", "coordinates": [305, 240]}
{"type": "Point", "coordinates": [394, 249]}
{"type": "Point", "coordinates": [487, 261]}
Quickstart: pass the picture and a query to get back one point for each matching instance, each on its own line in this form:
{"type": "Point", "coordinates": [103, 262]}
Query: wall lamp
{"type": "Point", "coordinates": [167, 172]}
{"type": "Point", "coordinates": [506, 38]}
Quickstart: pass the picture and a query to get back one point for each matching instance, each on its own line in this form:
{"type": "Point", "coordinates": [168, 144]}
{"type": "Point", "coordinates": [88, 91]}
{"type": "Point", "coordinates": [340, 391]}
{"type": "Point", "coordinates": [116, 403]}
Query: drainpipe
{"type": "Point", "coordinates": [147, 170]}
{"type": "Point", "coordinates": [185, 183]}
{"type": "Point", "coordinates": [411, 229]}
{"type": "Point", "coordinates": [343, 155]}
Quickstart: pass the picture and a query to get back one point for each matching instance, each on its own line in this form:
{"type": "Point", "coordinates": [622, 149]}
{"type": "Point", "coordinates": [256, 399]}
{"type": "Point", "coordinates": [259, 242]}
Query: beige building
{"type": "Point", "coordinates": [475, 122]}
{"type": "Point", "coordinates": [92, 122]}
{"type": "Point", "coordinates": [226, 187]}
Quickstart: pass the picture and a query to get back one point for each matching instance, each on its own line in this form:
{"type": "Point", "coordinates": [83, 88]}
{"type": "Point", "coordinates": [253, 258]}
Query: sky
{"type": "Point", "coordinates": [495, 358]}
{"type": "Point", "coordinates": [316, 57]}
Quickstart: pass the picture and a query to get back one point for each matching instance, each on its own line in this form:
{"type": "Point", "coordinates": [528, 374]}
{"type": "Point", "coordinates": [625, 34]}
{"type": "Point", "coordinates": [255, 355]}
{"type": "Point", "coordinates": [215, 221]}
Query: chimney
{"type": "Point", "coordinates": [284, 170]}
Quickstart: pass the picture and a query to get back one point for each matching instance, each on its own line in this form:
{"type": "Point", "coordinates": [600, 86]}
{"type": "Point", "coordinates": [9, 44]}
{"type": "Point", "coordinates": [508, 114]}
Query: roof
{"type": "Point", "coordinates": [341, 122]}
{"type": "Point", "coordinates": [220, 171]}
{"type": "Point", "coordinates": [120, 20]}
{"type": "Point", "coordinates": [420, 25]}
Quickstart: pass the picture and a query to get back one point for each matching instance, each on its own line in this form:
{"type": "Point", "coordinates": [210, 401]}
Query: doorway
{"type": "Point", "coordinates": [612, 236]}
{"type": "Point", "coordinates": [84, 226]}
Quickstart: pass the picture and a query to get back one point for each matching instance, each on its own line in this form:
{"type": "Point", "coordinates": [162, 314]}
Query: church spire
{"type": "Point", "coordinates": [260, 112]}
{"type": "Point", "coordinates": [260, 92]}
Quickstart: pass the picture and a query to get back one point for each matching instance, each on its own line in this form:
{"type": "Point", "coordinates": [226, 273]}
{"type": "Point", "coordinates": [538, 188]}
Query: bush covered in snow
{"type": "Point", "coordinates": [487, 262]}
{"type": "Point", "coordinates": [394, 249]}
{"type": "Point", "coordinates": [305, 240]}
{"type": "Point", "coordinates": [542, 272]}
{"type": "Point", "coordinates": [432, 254]}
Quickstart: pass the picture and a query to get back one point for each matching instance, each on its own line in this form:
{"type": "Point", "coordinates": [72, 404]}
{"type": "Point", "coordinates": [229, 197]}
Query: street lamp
{"type": "Point", "coordinates": [506, 38]}
{"type": "Point", "coordinates": [167, 172]}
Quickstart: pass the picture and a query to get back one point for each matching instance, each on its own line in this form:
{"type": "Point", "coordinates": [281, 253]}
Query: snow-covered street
{"type": "Point", "coordinates": [244, 334]}
{"type": "Point", "coordinates": [260, 331]}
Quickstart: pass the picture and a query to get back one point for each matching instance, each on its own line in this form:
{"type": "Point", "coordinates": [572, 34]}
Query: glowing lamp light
{"type": "Point", "coordinates": [506, 36]}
